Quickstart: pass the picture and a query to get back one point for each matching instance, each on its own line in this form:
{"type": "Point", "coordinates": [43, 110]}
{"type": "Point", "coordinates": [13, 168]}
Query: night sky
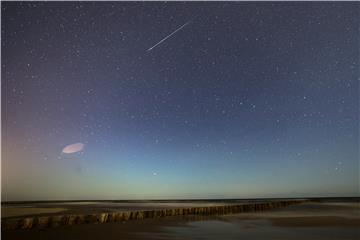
{"type": "Point", "coordinates": [243, 100]}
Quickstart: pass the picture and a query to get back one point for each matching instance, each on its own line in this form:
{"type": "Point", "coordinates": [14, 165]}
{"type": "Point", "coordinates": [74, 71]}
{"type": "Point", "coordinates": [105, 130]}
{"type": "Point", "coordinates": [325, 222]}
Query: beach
{"type": "Point", "coordinates": [310, 220]}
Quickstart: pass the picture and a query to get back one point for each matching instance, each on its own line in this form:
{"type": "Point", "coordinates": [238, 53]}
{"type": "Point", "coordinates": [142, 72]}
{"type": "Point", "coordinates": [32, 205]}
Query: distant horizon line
{"type": "Point", "coordinates": [171, 199]}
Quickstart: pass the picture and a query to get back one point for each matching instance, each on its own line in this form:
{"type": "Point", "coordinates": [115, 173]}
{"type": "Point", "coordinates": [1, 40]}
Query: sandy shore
{"type": "Point", "coordinates": [325, 221]}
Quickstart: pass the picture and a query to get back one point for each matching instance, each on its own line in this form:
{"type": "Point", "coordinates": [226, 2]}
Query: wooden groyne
{"type": "Point", "coordinates": [73, 219]}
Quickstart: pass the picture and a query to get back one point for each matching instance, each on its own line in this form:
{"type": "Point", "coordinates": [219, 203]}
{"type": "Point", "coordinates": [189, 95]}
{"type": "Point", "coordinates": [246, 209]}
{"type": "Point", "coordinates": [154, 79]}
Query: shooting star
{"type": "Point", "coordinates": [168, 36]}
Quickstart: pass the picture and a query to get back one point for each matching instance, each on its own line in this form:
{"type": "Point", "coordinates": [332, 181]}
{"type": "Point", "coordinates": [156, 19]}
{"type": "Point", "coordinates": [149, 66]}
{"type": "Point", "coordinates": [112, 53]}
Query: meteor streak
{"type": "Point", "coordinates": [169, 36]}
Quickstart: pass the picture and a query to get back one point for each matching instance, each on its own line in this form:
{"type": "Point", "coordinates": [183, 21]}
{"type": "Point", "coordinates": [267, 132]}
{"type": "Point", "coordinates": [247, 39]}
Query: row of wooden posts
{"type": "Point", "coordinates": [72, 219]}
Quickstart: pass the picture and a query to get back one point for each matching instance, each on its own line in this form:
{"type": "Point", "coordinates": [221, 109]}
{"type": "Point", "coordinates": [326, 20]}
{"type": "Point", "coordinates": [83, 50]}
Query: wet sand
{"type": "Point", "coordinates": [325, 221]}
{"type": "Point", "coordinates": [318, 221]}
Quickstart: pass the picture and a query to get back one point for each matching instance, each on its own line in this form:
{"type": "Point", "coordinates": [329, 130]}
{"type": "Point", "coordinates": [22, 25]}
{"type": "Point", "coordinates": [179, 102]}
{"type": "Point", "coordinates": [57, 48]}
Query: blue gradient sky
{"type": "Point", "coordinates": [247, 100]}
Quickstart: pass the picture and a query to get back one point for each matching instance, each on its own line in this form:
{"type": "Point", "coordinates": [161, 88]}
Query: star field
{"type": "Point", "coordinates": [247, 100]}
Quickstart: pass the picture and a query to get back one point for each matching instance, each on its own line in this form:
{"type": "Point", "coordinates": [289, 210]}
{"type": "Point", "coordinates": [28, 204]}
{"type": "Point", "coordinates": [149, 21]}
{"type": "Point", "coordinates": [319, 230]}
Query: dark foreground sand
{"type": "Point", "coordinates": [323, 221]}
{"type": "Point", "coordinates": [318, 221]}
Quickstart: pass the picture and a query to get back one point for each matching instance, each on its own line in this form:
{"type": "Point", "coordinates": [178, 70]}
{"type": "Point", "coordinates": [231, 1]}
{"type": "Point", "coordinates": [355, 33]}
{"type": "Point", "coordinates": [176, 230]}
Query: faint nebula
{"type": "Point", "coordinates": [73, 148]}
